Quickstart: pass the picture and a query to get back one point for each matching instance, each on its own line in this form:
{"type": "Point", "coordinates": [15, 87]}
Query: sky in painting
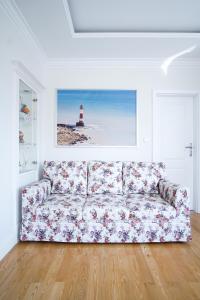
{"type": "Point", "coordinates": [96, 103]}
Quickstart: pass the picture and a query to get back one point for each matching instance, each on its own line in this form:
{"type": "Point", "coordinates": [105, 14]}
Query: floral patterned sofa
{"type": "Point", "coordinates": [105, 202]}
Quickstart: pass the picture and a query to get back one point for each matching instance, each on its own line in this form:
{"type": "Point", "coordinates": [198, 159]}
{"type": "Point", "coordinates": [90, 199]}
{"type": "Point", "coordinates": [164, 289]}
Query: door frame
{"type": "Point", "coordinates": [196, 135]}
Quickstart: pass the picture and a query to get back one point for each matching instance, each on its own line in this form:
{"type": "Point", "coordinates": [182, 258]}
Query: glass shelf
{"type": "Point", "coordinates": [26, 144]}
{"type": "Point", "coordinates": [27, 128]}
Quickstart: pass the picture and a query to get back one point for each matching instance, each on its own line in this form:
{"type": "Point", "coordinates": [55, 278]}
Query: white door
{"type": "Point", "coordinates": [173, 137]}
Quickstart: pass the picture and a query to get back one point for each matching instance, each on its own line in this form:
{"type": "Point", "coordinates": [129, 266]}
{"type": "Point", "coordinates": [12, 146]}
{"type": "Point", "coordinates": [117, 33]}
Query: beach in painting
{"type": "Point", "coordinates": [108, 117]}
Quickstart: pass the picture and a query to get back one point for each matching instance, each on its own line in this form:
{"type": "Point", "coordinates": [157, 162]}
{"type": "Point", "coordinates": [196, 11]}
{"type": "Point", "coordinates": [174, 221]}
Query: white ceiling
{"type": "Point", "coordinates": [70, 32]}
{"type": "Point", "coordinates": [135, 15]}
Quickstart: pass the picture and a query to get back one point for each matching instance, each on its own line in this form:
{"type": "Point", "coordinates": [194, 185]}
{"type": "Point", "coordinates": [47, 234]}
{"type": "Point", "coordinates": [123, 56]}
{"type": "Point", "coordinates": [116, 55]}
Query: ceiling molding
{"type": "Point", "coordinates": [27, 76]}
{"type": "Point", "coordinates": [160, 35]}
{"type": "Point", "coordinates": [119, 63]}
{"type": "Point", "coordinates": [12, 11]}
{"type": "Point", "coordinates": [68, 17]}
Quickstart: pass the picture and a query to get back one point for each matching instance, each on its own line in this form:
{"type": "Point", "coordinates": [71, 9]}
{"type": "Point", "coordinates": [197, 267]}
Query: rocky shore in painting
{"type": "Point", "coordinates": [68, 135]}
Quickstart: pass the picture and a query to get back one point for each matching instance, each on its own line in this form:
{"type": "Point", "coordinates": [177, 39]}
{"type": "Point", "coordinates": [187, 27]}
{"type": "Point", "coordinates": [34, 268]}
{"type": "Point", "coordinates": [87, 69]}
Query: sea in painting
{"type": "Point", "coordinates": [96, 117]}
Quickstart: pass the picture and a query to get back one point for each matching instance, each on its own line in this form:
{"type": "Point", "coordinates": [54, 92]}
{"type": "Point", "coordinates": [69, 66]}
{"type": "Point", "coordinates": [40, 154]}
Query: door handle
{"type": "Point", "coordinates": [189, 147]}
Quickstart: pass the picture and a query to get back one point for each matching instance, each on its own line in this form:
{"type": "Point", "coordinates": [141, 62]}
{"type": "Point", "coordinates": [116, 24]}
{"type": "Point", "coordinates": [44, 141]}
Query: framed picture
{"type": "Point", "coordinates": [96, 117]}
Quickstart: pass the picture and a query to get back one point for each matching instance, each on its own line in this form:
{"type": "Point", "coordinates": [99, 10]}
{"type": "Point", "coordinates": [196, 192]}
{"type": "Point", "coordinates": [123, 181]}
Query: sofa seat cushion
{"type": "Point", "coordinates": [102, 208]}
{"type": "Point", "coordinates": [104, 177]}
{"type": "Point", "coordinates": [60, 207]}
{"type": "Point", "coordinates": [142, 177]}
{"type": "Point", "coordinates": [149, 208]}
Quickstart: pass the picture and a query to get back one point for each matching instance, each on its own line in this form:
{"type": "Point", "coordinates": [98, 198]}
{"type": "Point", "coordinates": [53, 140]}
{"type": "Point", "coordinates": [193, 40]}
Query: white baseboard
{"type": "Point", "coordinates": [7, 245]}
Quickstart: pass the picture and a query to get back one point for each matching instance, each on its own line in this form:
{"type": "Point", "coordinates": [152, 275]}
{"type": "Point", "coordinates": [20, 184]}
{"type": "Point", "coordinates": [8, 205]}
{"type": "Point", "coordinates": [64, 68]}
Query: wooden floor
{"type": "Point", "coordinates": [69, 271]}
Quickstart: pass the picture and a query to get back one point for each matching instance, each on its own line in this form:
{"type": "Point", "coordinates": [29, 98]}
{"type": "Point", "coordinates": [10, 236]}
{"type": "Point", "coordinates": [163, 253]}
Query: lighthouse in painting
{"type": "Point", "coordinates": [80, 122]}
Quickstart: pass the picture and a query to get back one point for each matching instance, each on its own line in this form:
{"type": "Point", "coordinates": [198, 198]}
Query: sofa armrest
{"type": "Point", "coordinates": [35, 193]}
{"type": "Point", "coordinates": [176, 195]}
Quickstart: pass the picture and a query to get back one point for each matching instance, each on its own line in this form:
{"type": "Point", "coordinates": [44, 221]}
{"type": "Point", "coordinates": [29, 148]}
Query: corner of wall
{"type": "Point", "coordinates": [7, 245]}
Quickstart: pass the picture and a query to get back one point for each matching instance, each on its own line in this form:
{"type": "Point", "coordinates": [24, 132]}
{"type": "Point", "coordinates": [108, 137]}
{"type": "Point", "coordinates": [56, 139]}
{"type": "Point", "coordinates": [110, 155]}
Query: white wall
{"type": "Point", "coordinates": [13, 46]}
{"type": "Point", "coordinates": [143, 79]}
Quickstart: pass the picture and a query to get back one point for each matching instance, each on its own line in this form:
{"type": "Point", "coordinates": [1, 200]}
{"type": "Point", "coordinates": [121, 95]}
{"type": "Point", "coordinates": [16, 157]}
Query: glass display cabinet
{"type": "Point", "coordinates": [27, 128]}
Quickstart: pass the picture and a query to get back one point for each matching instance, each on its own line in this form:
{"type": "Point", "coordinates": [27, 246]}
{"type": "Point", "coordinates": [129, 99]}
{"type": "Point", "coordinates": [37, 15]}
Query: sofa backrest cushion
{"type": "Point", "coordinates": [104, 177]}
{"type": "Point", "coordinates": [141, 177]}
{"type": "Point", "coordinates": [67, 177]}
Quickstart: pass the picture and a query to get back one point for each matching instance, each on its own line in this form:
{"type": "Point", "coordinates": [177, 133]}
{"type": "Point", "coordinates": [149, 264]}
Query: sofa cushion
{"type": "Point", "coordinates": [50, 168]}
{"type": "Point", "coordinates": [61, 208]}
{"type": "Point", "coordinates": [104, 177]}
{"type": "Point", "coordinates": [68, 177]}
{"type": "Point", "coordinates": [105, 207]}
{"type": "Point", "coordinates": [149, 207]}
{"type": "Point", "coordinates": [139, 177]}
